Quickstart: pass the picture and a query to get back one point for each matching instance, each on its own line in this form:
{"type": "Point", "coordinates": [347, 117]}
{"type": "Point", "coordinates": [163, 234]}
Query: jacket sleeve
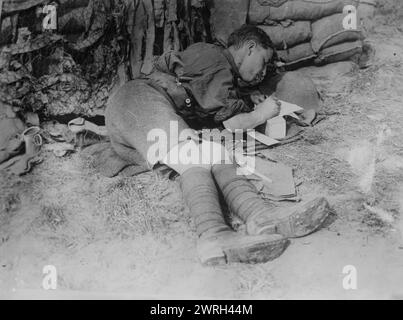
{"type": "Point", "coordinates": [216, 94]}
{"type": "Point", "coordinates": [169, 62]}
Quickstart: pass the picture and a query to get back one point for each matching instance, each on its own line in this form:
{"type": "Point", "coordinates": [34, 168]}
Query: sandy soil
{"type": "Point", "coordinates": [132, 238]}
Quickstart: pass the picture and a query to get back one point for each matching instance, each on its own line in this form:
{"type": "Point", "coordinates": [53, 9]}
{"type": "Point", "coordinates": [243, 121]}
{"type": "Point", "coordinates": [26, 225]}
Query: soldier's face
{"type": "Point", "coordinates": [254, 64]}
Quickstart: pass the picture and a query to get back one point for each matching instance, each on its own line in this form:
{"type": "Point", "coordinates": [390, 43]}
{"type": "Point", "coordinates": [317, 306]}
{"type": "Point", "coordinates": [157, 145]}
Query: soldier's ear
{"type": "Point", "coordinates": [251, 46]}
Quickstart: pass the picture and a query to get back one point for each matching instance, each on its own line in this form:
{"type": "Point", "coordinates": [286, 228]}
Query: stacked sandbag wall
{"type": "Point", "coordinates": [303, 31]}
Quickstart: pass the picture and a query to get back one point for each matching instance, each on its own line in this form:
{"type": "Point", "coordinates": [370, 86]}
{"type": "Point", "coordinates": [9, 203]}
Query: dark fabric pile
{"type": "Point", "coordinates": [69, 71]}
{"type": "Point", "coordinates": [98, 45]}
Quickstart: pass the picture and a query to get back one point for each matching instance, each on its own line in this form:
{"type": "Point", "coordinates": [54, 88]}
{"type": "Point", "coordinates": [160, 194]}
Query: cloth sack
{"type": "Point", "coordinates": [329, 31]}
{"type": "Point", "coordinates": [285, 37]}
{"type": "Point", "coordinates": [296, 55]}
{"type": "Point", "coordinates": [340, 52]}
{"type": "Point", "coordinates": [294, 10]}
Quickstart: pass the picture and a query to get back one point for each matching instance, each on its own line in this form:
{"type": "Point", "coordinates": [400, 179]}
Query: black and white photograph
{"type": "Point", "coordinates": [201, 150]}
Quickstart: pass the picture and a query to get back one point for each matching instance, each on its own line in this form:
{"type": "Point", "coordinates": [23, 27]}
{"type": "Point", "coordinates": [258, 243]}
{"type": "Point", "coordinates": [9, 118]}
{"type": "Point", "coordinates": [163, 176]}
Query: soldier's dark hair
{"type": "Point", "coordinates": [249, 32]}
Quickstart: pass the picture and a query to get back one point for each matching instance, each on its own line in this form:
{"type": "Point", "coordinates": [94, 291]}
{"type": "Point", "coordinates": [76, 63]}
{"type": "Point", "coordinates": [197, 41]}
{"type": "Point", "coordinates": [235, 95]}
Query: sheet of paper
{"type": "Point", "coordinates": [281, 176]}
{"type": "Point", "coordinates": [263, 138]}
{"type": "Point", "coordinates": [276, 128]}
{"type": "Point", "coordinates": [289, 108]}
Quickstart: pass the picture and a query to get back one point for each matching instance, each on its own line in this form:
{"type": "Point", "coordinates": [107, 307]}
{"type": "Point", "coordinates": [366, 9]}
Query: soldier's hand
{"type": "Point", "coordinates": [257, 98]}
{"type": "Point", "coordinates": [270, 108]}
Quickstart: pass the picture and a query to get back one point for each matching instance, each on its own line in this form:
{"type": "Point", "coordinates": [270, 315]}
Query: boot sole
{"type": "Point", "coordinates": [305, 220]}
{"type": "Point", "coordinates": [241, 249]}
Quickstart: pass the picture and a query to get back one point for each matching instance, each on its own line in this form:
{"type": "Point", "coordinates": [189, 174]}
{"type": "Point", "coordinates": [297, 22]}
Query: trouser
{"type": "Point", "coordinates": [136, 113]}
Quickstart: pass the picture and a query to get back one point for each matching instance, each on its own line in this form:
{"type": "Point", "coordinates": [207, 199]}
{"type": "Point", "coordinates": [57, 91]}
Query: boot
{"type": "Point", "coordinates": [296, 222]}
{"type": "Point", "coordinates": [244, 200]}
{"type": "Point", "coordinates": [218, 243]}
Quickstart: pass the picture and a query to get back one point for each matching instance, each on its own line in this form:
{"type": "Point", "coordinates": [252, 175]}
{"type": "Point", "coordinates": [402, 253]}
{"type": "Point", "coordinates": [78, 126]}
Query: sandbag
{"type": "Point", "coordinates": [227, 16]}
{"type": "Point", "coordinates": [285, 37]}
{"type": "Point", "coordinates": [340, 52]}
{"type": "Point", "coordinates": [294, 10]}
{"type": "Point", "coordinates": [298, 54]}
{"type": "Point", "coordinates": [329, 31]}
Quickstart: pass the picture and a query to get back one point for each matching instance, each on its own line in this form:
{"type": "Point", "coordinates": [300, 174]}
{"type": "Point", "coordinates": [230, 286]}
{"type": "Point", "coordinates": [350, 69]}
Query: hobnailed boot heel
{"type": "Point", "coordinates": [218, 243]}
{"type": "Point", "coordinates": [296, 222]}
{"type": "Point", "coordinates": [244, 200]}
{"type": "Point", "coordinates": [229, 247]}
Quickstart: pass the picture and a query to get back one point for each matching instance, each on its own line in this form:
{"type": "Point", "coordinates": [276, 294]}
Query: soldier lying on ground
{"type": "Point", "coordinates": [197, 88]}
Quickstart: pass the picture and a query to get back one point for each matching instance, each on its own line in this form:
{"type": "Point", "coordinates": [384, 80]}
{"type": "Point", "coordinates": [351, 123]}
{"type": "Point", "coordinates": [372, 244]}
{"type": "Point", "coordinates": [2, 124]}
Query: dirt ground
{"type": "Point", "coordinates": [132, 237]}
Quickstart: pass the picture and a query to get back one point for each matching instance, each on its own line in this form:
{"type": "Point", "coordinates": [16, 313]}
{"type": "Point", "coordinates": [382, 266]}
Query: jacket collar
{"type": "Point", "coordinates": [231, 61]}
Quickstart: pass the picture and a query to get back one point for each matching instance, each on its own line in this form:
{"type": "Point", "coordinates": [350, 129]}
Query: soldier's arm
{"type": "Point", "coordinates": [254, 118]}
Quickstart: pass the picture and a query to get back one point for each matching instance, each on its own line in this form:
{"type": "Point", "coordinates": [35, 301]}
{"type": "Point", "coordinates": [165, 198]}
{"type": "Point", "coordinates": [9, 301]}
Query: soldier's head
{"type": "Point", "coordinates": [252, 50]}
